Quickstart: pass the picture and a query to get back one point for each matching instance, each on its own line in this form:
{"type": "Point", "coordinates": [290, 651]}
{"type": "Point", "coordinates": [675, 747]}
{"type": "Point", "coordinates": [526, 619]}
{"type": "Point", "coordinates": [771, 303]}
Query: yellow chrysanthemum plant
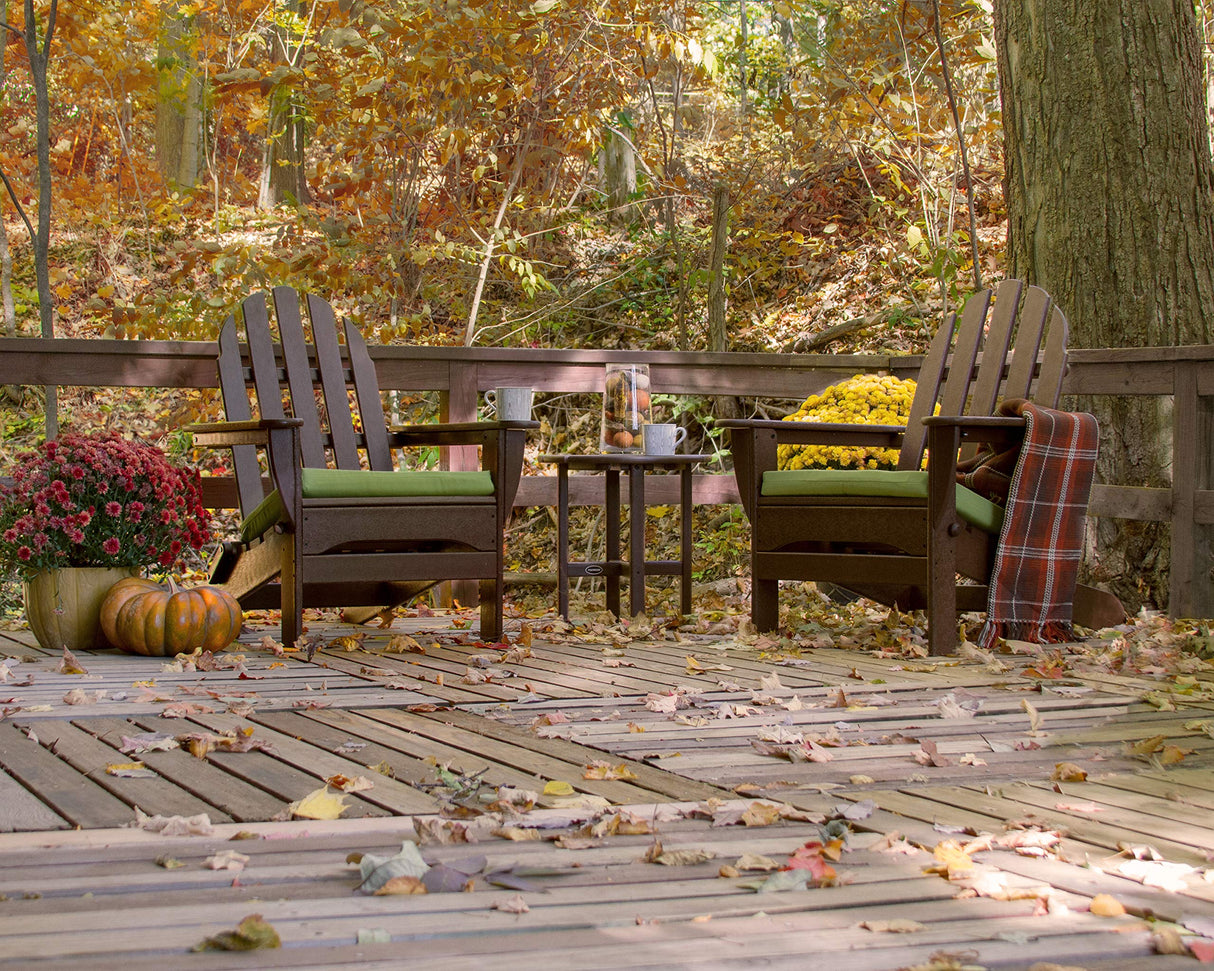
{"type": "Point", "coordinates": [866, 399]}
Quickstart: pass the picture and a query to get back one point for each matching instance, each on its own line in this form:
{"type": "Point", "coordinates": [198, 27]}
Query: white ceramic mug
{"type": "Point", "coordinates": [662, 439]}
{"type": "Point", "coordinates": [509, 404]}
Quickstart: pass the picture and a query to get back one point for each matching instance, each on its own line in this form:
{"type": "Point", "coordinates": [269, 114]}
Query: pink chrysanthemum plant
{"type": "Point", "coordinates": [99, 500]}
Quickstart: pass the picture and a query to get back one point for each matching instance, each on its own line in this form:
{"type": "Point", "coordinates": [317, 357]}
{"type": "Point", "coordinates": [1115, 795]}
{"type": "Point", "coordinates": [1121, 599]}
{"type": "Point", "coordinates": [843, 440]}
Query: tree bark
{"type": "Point", "coordinates": [282, 171]}
{"type": "Point", "coordinates": [1108, 180]}
{"type": "Point", "coordinates": [178, 115]}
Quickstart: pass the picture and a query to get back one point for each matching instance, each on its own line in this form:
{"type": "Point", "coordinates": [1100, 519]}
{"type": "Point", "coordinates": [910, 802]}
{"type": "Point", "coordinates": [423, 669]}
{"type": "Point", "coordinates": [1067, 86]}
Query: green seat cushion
{"type": "Point", "coordinates": [361, 484]}
{"type": "Point", "coordinates": [973, 508]}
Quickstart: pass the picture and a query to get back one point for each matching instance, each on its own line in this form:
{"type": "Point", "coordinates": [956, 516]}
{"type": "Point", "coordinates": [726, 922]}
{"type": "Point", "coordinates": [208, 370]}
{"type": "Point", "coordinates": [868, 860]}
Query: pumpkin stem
{"type": "Point", "coordinates": [173, 587]}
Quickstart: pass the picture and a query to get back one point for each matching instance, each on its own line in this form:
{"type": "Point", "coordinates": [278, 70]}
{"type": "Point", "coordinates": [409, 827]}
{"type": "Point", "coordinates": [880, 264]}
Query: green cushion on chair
{"type": "Point", "coordinates": [973, 508]}
{"type": "Point", "coordinates": [267, 513]}
{"type": "Point", "coordinates": [361, 484]}
{"type": "Point", "coordinates": [356, 483]}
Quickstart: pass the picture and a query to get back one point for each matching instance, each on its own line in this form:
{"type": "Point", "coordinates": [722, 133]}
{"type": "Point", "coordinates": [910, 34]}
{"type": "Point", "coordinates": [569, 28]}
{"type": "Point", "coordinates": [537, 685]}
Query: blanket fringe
{"type": "Point", "coordinates": [1052, 632]}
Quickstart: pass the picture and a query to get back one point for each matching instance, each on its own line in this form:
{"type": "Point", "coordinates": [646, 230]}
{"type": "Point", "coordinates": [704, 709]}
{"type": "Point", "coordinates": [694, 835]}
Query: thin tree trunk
{"type": "Point", "coordinates": [1108, 179]}
{"type": "Point", "coordinates": [39, 57]}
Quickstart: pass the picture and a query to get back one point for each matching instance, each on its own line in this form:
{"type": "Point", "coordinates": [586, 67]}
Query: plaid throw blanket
{"type": "Point", "coordinates": [1036, 564]}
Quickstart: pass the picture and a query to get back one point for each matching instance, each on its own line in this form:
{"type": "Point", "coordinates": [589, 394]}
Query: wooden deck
{"type": "Point", "coordinates": [669, 774]}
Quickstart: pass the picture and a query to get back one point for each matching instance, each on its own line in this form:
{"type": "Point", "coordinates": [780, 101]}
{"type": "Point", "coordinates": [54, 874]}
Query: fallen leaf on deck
{"type": "Point", "coordinates": [251, 934]}
{"type": "Point", "coordinates": [811, 857]}
{"type": "Point", "coordinates": [320, 803]}
{"type": "Point", "coordinates": [378, 870]}
{"type": "Point", "coordinates": [756, 861]}
{"type": "Point", "coordinates": [1150, 873]}
{"type": "Point", "coordinates": [1068, 772]}
{"type": "Point", "coordinates": [760, 814]}
{"type": "Point", "coordinates": [401, 887]}
{"type": "Point", "coordinates": [1035, 720]}
{"type": "Point", "coordinates": [928, 754]}
{"type": "Point", "coordinates": [345, 783]}
{"type": "Point", "coordinates": [1172, 754]}
{"type": "Point", "coordinates": [951, 860]}
{"type": "Point", "coordinates": [1080, 807]}
{"type": "Point", "coordinates": [199, 825]}
{"type": "Point", "coordinates": [129, 770]}
{"type": "Point", "coordinates": [432, 831]}
{"type": "Point", "coordinates": [1146, 746]}
{"type": "Point", "coordinates": [169, 862]}
{"type": "Point", "coordinates": [517, 833]}
{"type": "Point", "coordinates": [691, 857]}
{"type": "Point", "coordinates": [403, 644]}
{"type": "Point", "coordinates": [348, 642]}
{"type": "Point", "coordinates": [226, 860]}
{"type": "Point", "coordinates": [779, 882]}
{"type": "Point", "coordinates": [606, 771]}
{"type": "Point", "coordinates": [1202, 949]}
{"type": "Point", "coordinates": [899, 925]}
{"type": "Point", "coordinates": [512, 905]}
{"type": "Point", "coordinates": [78, 696]}
{"type": "Point", "coordinates": [1167, 940]}
{"type": "Point", "coordinates": [861, 780]}
{"type": "Point", "coordinates": [1105, 905]}
{"type": "Point", "coordinates": [558, 788]}
{"type": "Point", "coordinates": [441, 878]}
{"type": "Point", "coordinates": [69, 665]}
{"type": "Point", "coordinates": [148, 742]}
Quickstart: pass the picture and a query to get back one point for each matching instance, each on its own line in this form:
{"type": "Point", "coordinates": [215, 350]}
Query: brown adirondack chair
{"type": "Point", "coordinates": [905, 543]}
{"type": "Point", "coordinates": [339, 526]}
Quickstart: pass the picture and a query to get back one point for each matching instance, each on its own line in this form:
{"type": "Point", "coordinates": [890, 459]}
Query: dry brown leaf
{"type": "Point", "coordinates": [400, 886]}
{"type": "Point", "coordinates": [1104, 905]}
{"type": "Point", "coordinates": [899, 925]}
{"type": "Point", "coordinates": [1146, 746]}
{"type": "Point", "coordinates": [1068, 772]}
{"type": "Point", "coordinates": [69, 665]}
{"type": "Point", "coordinates": [1167, 940]}
{"type": "Point", "coordinates": [512, 905]}
{"type": "Point", "coordinates": [403, 644]}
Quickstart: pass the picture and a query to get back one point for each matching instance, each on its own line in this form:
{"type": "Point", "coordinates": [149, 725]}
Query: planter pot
{"type": "Point", "coordinates": [63, 607]}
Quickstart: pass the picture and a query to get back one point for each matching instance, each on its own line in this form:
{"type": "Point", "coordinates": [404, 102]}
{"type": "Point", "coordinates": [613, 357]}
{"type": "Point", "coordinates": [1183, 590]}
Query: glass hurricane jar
{"type": "Point", "coordinates": [626, 407]}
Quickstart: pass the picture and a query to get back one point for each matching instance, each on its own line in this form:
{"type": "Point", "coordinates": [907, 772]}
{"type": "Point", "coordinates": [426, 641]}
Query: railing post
{"type": "Point", "coordinates": [1190, 593]}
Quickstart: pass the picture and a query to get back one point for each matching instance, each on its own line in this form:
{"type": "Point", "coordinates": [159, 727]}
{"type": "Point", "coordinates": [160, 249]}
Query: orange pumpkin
{"type": "Point", "coordinates": [142, 617]}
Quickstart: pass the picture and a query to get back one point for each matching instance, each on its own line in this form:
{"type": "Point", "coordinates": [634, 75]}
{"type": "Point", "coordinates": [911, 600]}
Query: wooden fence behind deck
{"type": "Point", "coordinates": [1184, 374]}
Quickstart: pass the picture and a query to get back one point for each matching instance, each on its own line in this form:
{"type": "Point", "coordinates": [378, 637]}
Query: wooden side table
{"type": "Point", "coordinates": [636, 567]}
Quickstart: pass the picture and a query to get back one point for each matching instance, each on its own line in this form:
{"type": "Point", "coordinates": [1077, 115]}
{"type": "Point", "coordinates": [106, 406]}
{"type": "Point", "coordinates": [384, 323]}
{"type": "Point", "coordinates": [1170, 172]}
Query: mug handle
{"type": "Point", "coordinates": [491, 401]}
{"type": "Point", "coordinates": [680, 436]}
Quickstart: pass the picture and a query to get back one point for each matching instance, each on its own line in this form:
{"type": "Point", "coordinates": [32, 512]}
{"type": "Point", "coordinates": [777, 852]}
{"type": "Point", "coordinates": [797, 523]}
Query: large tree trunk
{"type": "Point", "coordinates": [1108, 181]}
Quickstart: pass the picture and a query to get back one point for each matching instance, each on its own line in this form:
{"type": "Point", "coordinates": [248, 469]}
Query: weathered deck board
{"type": "Point", "coordinates": [96, 899]}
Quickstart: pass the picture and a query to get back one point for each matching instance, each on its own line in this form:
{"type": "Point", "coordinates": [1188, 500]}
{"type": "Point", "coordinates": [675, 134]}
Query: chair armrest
{"type": "Point", "coordinates": [453, 433]}
{"type": "Point", "coordinates": [997, 430]}
{"type": "Point", "coordinates": [228, 433]}
{"type": "Point", "coordinates": [817, 432]}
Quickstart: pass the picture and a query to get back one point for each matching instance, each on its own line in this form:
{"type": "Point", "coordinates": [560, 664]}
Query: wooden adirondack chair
{"type": "Point", "coordinates": [902, 538]}
{"type": "Point", "coordinates": [339, 526]}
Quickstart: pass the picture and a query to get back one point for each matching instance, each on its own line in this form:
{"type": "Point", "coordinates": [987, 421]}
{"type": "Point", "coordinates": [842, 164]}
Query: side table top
{"type": "Point", "coordinates": [620, 460]}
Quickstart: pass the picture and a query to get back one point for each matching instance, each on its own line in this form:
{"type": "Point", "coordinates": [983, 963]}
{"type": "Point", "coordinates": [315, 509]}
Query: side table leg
{"type": "Point", "coordinates": [612, 487]}
{"type": "Point", "coordinates": [562, 541]}
{"type": "Point", "coordinates": [685, 564]}
{"type": "Point", "coordinates": [636, 539]}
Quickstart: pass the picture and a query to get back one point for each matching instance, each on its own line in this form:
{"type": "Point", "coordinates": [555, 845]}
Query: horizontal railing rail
{"type": "Point", "coordinates": [460, 375]}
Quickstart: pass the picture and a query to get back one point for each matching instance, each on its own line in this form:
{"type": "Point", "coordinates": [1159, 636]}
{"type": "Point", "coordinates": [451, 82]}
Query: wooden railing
{"type": "Point", "coordinates": [460, 375]}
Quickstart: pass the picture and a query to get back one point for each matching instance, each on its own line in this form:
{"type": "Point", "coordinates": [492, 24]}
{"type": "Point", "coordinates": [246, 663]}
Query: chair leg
{"type": "Point", "coordinates": [291, 594]}
{"type": "Point", "coordinates": [491, 610]}
{"type": "Point", "coordinates": [765, 604]}
{"type": "Point", "coordinates": [942, 619]}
